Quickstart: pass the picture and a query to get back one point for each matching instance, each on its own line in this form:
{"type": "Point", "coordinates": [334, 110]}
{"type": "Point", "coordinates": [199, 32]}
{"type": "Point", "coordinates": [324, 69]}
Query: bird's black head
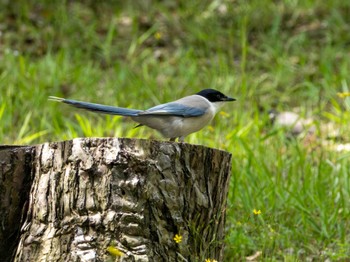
{"type": "Point", "coordinates": [215, 96]}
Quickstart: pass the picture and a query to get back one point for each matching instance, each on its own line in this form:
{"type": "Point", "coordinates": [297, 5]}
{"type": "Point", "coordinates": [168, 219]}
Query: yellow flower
{"type": "Point", "coordinates": [157, 35]}
{"type": "Point", "coordinates": [224, 114]}
{"type": "Point", "coordinates": [343, 94]}
{"type": "Point", "coordinates": [211, 128]}
{"type": "Point", "coordinates": [178, 238]}
{"type": "Point", "coordinates": [115, 251]}
{"type": "Point", "coordinates": [210, 260]}
{"type": "Point", "coordinates": [256, 212]}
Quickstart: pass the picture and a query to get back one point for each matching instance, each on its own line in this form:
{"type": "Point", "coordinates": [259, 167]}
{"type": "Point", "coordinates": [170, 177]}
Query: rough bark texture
{"type": "Point", "coordinates": [15, 182]}
{"type": "Point", "coordinates": [133, 195]}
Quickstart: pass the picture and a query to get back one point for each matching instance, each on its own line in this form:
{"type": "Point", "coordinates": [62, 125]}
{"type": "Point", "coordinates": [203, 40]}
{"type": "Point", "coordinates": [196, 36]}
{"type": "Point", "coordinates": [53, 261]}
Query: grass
{"type": "Point", "coordinates": [286, 55]}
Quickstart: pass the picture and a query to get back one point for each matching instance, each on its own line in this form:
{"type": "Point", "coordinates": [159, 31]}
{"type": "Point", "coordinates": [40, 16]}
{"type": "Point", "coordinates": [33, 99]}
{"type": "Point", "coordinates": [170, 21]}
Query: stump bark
{"type": "Point", "coordinates": [113, 199]}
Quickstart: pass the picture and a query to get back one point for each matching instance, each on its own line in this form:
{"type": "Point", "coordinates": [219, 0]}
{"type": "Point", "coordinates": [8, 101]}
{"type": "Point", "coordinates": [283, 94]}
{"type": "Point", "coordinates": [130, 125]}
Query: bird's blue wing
{"type": "Point", "coordinates": [174, 109]}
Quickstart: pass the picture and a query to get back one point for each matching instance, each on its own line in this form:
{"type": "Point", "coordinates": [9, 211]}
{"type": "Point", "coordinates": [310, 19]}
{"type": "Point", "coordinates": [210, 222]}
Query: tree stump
{"type": "Point", "coordinates": [15, 183]}
{"type": "Point", "coordinates": [111, 199]}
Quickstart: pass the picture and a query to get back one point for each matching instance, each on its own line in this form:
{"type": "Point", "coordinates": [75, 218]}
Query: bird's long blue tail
{"type": "Point", "coordinates": [112, 110]}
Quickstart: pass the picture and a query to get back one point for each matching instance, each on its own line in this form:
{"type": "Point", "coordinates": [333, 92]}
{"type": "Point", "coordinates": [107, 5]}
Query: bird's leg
{"type": "Point", "coordinates": [181, 139]}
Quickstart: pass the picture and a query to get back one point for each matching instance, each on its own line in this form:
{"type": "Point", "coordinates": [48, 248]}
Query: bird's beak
{"type": "Point", "coordinates": [230, 99]}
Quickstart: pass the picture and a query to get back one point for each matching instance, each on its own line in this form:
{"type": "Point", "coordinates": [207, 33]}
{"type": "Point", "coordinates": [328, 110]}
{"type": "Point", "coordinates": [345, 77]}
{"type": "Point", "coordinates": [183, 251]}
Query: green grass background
{"type": "Point", "coordinates": [267, 54]}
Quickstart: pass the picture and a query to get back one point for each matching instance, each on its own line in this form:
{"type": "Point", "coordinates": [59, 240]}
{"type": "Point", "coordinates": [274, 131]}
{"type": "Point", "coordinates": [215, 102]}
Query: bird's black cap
{"type": "Point", "coordinates": [215, 96]}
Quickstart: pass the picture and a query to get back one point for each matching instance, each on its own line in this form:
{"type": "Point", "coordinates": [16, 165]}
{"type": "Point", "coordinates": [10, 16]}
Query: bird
{"type": "Point", "coordinates": [174, 120]}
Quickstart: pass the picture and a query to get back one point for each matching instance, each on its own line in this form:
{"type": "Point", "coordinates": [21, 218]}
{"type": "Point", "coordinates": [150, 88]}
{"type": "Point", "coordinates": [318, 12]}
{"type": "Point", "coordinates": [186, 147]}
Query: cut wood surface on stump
{"type": "Point", "coordinates": [117, 199]}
